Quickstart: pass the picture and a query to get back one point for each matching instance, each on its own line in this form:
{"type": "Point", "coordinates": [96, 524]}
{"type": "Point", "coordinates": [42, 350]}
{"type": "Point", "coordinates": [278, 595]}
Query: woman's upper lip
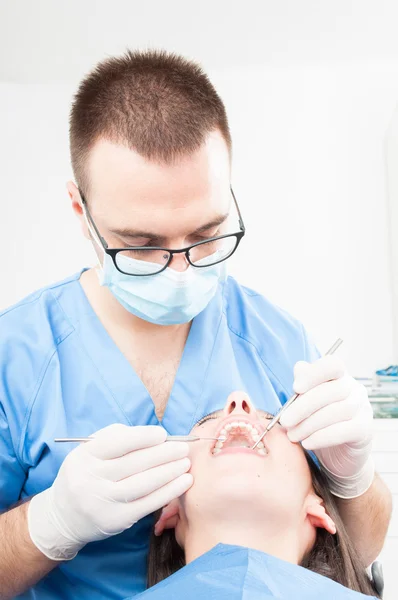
{"type": "Point", "coordinates": [236, 418]}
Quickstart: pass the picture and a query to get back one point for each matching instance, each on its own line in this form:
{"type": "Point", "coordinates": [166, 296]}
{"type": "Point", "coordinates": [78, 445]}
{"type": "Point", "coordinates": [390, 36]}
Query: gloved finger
{"type": "Point", "coordinates": [316, 398]}
{"type": "Point", "coordinates": [139, 509]}
{"type": "Point", "coordinates": [142, 460]}
{"type": "Point", "coordinates": [309, 375]}
{"type": "Point", "coordinates": [146, 482]}
{"type": "Point", "coordinates": [345, 432]}
{"type": "Point", "coordinates": [117, 440]}
{"type": "Point", "coordinates": [300, 369]}
{"type": "Point", "coordinates": [328, 415]}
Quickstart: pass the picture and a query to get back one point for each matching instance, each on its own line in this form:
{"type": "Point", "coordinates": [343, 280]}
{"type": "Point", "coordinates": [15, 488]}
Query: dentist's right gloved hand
{"type": "Point", "coordinates": [105, 486]}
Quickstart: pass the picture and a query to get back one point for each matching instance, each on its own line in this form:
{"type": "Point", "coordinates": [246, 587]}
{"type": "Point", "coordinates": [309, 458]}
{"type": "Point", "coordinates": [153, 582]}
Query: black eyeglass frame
{"type": "Point", "coordinates": [112, 252]}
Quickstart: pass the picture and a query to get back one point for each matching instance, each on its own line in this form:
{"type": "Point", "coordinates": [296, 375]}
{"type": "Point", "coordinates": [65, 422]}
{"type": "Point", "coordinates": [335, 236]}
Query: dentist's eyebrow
{"type": "Point", "coordinates": [134, 233]}
{"type": "Point", "coordinates": [214, 223]}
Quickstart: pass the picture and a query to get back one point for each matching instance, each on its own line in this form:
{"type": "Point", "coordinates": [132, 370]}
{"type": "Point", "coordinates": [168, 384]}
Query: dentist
{"type": "Point", "coordinates": [148, 342]}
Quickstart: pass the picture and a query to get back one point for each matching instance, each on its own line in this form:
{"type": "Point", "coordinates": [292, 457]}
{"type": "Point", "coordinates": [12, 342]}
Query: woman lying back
{"type": "Point", "coordinates": [255, 523]}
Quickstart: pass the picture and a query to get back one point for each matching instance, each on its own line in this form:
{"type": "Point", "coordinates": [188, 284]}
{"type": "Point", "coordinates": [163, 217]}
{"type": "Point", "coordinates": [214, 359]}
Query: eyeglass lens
{"type": "Point", "coordinates": [150, 261]}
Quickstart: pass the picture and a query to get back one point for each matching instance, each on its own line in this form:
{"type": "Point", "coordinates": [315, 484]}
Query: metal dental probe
{"type": "Point", "coordinates": [278, 415]}
{"type": "Point", "coordinates": [170, 438]}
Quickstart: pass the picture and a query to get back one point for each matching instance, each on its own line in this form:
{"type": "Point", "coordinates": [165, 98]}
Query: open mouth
{"type": "Point", "coordinates": [239, 434]}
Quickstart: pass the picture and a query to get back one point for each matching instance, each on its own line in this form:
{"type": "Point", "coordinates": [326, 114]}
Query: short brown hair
{"type": "Point", "coordinates": [157, 103]}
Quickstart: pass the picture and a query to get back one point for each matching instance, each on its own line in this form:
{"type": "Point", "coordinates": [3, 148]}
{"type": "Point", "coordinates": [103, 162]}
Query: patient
{"type": "Point", "coordinates": [272, 500]}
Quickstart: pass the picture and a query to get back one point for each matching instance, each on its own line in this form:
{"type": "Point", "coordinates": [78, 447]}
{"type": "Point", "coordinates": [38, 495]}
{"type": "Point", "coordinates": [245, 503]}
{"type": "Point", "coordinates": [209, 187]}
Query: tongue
{"type": "Point", "coordinates": [236, 440]}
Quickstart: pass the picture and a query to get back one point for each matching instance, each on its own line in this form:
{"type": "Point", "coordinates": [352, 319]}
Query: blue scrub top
{"type": "Point", "coordinates": [62, 375]}
{"type": "Point", "coordinates": [229, 572]}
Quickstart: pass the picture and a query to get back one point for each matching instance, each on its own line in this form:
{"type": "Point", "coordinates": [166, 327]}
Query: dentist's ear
{"type": "Point", "coordinates": [317, 514]}
{"type": "Point", "coordinates": [74, 195]}
{"type": "Point", "coordinates": [169, 517]}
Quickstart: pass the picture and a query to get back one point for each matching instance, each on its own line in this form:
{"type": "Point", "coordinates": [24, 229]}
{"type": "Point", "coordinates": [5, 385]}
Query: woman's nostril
{"type": "Point", "coordinates": [232, 406]}
{"type": "Point", "coordinates": [245, 406]}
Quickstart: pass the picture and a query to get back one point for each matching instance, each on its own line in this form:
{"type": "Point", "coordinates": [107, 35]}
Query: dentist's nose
{"type": "Point", "coordinates": [179, 262]}
{"type": "Point", "coordinates": [239, 403]}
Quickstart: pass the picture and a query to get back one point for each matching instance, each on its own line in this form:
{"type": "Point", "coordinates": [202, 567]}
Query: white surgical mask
{"type": "Point", "coordinates": [167, 298]}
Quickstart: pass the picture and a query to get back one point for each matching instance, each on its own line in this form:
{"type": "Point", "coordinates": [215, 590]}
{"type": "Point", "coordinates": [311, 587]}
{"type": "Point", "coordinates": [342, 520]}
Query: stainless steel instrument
{"type": "Point", "coordinates": [170, 438]}
{"type": "Point", "coordinates": [278, 415]}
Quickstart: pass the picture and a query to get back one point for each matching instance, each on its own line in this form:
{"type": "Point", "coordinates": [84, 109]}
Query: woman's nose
{"type": "Point", "coordinates": [239, 403]}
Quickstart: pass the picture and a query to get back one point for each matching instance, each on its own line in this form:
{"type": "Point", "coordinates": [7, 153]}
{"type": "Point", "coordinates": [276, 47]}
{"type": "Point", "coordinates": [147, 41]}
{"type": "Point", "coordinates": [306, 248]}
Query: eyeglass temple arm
{"type": "Point", "coordinates": [241, 224]}
{"type": "Point", "coordinates": [85, 208]}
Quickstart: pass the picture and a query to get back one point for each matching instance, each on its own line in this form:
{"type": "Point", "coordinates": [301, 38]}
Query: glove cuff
{"type": "Point", "coordinates": [45, 532]}
{"type": "Point", "coordinates": [354, 485]}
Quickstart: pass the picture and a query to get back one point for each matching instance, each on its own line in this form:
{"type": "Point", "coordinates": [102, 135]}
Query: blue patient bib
{"type": "Point", "coordinates": [62, 375]}
{"type": "Point", "coordinates": [237, 573]}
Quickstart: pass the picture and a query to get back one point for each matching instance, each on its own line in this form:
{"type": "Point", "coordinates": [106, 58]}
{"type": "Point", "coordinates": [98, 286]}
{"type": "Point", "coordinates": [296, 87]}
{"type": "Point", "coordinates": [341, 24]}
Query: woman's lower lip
{"type": "Point", "coordinates": [238, 449]}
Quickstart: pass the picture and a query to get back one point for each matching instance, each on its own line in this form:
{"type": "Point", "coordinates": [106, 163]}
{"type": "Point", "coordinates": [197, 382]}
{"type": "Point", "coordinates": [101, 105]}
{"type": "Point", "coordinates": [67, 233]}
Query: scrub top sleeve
{"type": "Point", "coordinates": [12, 475]}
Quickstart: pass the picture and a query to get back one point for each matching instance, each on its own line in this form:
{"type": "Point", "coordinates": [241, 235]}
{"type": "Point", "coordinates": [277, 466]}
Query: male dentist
{"type": "Point", "coordinates": [148, 342]}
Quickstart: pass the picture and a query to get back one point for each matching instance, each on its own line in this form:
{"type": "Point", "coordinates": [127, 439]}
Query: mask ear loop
{"type": "Point", "coordinates": [95, 239]}
{"type": "Point", "coordinates": [99, 268]}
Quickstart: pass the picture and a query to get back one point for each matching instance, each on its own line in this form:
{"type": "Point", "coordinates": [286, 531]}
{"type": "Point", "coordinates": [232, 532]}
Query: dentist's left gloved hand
{"type": "Point", "coordinates": [333, 417]}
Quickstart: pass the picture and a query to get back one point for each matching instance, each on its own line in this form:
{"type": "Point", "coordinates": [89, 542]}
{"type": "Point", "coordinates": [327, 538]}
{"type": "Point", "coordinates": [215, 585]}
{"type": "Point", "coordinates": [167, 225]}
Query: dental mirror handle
{"type": "Point", "coordinates": [278, 415]}
{"type": "Point", "coordinates": [170, 438]}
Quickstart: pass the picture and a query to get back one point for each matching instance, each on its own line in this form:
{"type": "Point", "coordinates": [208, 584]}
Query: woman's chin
{"type": "Point", "coordinates": [233, 484]}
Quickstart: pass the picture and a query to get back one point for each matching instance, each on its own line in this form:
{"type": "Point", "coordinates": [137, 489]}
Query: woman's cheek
{"type": "Point", "coordinates": [288, 454]}
{"type": "Point", "coordinates": [199, 455]}
{"type": "Point", "coordinates": [193, 457]}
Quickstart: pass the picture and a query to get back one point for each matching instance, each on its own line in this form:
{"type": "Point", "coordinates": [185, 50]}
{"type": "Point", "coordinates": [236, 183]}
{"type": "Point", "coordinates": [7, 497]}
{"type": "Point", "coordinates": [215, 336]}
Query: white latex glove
{"type": "Point", "coordinates": [333, 417]}
{"type": "Point", "coordinates": [105, 486]}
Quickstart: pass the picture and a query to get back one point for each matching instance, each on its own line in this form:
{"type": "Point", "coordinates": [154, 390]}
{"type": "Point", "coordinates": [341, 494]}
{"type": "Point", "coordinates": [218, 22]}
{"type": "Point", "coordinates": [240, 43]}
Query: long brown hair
{"type": "Point", "coordinates": [332, 556]}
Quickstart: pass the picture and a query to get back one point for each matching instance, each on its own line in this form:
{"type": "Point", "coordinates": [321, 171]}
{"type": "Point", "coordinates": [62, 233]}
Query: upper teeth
{"type": "Point", "coordinates": [238, 425]}
{"type": "Point", "coordinates": [235, 428]}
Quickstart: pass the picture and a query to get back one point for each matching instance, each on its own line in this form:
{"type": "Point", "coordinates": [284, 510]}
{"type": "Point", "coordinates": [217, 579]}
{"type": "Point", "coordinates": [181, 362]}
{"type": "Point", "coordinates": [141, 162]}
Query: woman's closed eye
{"type": "Point", "coordinates": [207, 418]}
{"type": "Point", "coordinates": [269, 417]}
{"type": "Point", "coordinates": [265, 415]}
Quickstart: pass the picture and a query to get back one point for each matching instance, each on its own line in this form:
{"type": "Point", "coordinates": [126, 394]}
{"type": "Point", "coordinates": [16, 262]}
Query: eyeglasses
{"type": "Point", "coordinates": [142, 261]}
